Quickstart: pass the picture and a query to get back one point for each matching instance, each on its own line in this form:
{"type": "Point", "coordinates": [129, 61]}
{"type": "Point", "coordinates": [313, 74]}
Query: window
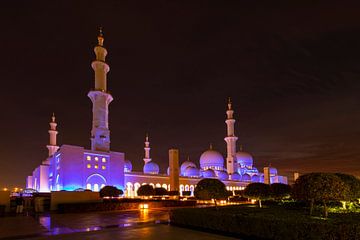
{"type": "Point", "coordinates": [96, 159]}
{"type": "Point", "coordinates": [103, 159]}
{"type": "Point", "coordinates": [88, 158]}
{"type": "Point", "coordinates": [96, 166]}
{"type": "Point", "coordinates": [103, 167]}
{"type": "Point", "coordinates": [96, 187]}
{"type": "Point", "coordinates": [88, 165]}
{"type": "Point", "coordinates": [88, 186]}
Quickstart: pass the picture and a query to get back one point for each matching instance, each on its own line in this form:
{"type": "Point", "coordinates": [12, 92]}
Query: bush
{"type": "Point", "coordinates": [267, 223]}
{"type": "Point", "coordinates": [280, 191]}
{"type": "Point", "coordinates": [209, 188]}
{"type": "Point", "coordinates": [146, 190]}
{"type": "Point", "coordinates": [160, 192]}
{"type": "Point", "coordinates": [323, 187]}
{"type": "Point", "coordinates": [258, 191]}
{"type": "Point", "coordinates": [110, 191]}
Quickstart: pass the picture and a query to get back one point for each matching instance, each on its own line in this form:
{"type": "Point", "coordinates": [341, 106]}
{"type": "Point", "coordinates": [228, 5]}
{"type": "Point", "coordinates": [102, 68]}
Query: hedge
{"type": "Point", "coordinates": [268, 223]}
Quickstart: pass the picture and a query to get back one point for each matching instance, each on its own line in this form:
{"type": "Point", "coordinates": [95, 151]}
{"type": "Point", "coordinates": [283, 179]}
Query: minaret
{"type": "Point", "coordinates": [52, 147]}
{"type": "Point", "coordinates": [100, 134]}
{"type": "Point", "coordinates": [231, 163]}
{"type": "Point", "coordinates": [147, 150]}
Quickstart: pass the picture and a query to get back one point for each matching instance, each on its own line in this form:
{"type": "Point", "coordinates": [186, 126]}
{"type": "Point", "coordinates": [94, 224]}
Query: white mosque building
{"type": "Point", "coordinates": [72, 167]}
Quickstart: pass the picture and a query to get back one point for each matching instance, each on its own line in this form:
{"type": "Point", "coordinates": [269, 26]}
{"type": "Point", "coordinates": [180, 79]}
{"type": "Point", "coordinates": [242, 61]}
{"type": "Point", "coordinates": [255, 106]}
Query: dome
{"type": "Point", "coordinates": [255, 178]}
{"type": "Point", "coordinates": [192, 172]}
{"type": "Point", "coordinates": [151, 168]}
{"type": "Point", "coordinates": [273, 171]}
{"type": "Point", "coordinates": [244, 159]}
{"type": "Point", "coordinates": [246, 177]}
{"type": "Point", "coordinates": [222, 175]}
{"type": "Point", "coordinates": [127, 166]}
{"type": "Point", "coordinates": [235, 176]}
{"type": "Point", "coordinates": [208, 173]}
{"type": "Point", "coordinates": [185, 165]}
{"type": "Point", "coordinates": [211, 159]}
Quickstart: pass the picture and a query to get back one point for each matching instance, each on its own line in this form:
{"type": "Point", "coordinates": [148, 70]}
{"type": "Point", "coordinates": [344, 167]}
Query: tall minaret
{"type": "Point", "coordinates": [147, 150]}
{"type": "Point", "coordinates": [52, 147]}
{"type": "Point", "coordinates": [100, 134]}
{"type": "Point", "coordinates": [231, 163]}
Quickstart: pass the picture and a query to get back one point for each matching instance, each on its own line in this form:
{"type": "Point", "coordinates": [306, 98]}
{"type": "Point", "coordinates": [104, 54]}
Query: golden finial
{"type": "Point", "coordinates": [188, 158]}
{"type": "Point", "coordinates": [53, 117]}
{"type": "Point", "coordinates": [147, 137]}
{"type": "Point", "coordinates": [229, 103]}
{"type": "Point", "coordinates": [241, 147]}
{"type": "Point", "coordinates": [211, 146]}
{"type": "Point", "coordinates": [100, 37]}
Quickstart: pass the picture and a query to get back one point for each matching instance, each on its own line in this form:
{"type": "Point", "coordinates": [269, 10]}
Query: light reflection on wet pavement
{"type": "Point", "coordinates": [86, 222]}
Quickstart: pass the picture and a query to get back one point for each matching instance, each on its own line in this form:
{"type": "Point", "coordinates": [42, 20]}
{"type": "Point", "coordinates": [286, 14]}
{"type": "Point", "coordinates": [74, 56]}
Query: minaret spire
{"type": "Point", "coordinates": [100, 133]}
{"type": "Point", "coordinates": [230, 139]}
{"type": "Point", "coordinates": [52, 146]}
{"type": "Point", "coordinates": [147, 150]}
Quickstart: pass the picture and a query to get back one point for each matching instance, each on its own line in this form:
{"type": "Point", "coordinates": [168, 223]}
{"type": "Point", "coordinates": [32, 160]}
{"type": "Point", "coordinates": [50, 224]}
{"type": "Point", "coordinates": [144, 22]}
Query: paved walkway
{"type": "Point", "coordinates": [19, 227]}
{"type": "Point", "coordinates": [153, 232]}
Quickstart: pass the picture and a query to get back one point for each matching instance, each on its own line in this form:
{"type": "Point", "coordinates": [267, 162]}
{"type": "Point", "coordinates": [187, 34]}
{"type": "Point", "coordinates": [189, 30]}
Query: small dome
{"type": "Point", "coordinates": [235, 176]}
{"type": "Point", "coordinates": [273, 171]}
{"type": "Point", "coordinates": [185, 165]}
{"type": "Point", "coordinates": [244, 159]}
{"type": "Point", "coordinates": [192, 172]}
{"type": "Point", "coordinates": [246, 177]}
{"type": "Point", "coordinates": [211, 159]}
{"type": "Point", "coordinates": [127, 166]}
{"type": "Point", "coordinates": [208, 173]}
{"type": "Point", "coordinates": [222, 175]}
{"type": "Point", "coordinates": [255, 178]}
{"type": "Point", "coordinates": [151, 168]}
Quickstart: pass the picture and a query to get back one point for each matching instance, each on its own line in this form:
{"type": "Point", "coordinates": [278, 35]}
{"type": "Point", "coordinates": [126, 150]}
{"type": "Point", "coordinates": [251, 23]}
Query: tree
{"type": "Point", "coordinates": [353, 184]}
{"type": "Point", "coordinates": [279, 191]}
{"type": "Point", "coordinates": [161, 191]}
{"type": "Point", "coordinates": [110, 191]}
{"type": "Point", "coordinates": [258, 191]}
{"type": "Point", "coordinates": [146, 190]}
{"type": "Point", "coordinates": [320, 187]}
{"type": "Point", "coordinates": [209, 188]}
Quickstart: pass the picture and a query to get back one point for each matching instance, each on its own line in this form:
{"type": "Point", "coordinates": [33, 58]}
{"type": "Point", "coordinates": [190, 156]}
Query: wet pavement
{"type": "Point", "coordinates": [139, 224]}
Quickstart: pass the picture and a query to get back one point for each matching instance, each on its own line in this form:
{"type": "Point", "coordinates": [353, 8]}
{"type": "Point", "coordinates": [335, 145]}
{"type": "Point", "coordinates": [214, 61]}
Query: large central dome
{"type": "Point", "coordinates": [244, 159]}
{"type": "Point", "coordinates": [211, 159]}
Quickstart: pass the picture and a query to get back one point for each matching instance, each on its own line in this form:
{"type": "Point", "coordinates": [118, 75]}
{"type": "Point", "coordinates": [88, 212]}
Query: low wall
{"type": "Point", "coordinates": [118, 205]}
{"type": "Point", "coordinates": [63, 197]}
{"type": "Point", "coordinates": [5, 200]}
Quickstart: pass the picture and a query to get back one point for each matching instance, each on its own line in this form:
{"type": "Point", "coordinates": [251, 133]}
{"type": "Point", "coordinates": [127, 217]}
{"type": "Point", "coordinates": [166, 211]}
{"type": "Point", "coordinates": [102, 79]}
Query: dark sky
{"type": "Point", "coordinates": [292, 69]}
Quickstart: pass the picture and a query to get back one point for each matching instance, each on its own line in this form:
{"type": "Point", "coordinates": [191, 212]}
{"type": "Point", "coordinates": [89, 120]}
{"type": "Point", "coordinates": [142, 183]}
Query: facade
{"type": "Point", "coordinates": [73, 167]}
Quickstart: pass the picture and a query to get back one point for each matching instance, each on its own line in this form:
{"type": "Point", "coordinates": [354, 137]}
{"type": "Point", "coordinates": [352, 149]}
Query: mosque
{"type": "Point", "coordinates": [70, 167]}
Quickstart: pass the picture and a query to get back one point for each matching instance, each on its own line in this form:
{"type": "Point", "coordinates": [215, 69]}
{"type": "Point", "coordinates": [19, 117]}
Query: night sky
{"type": "Point", "coordinates": [292, 69]}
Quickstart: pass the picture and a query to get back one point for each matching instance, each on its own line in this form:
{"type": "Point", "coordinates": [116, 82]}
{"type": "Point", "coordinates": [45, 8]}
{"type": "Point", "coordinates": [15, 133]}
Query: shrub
{"type": "Point", "coordinates": [258, 191]}
{"type": "Point", "coordinates": [353, 184]}
{"type": "Point", "coordinates": [209, 188]}
{"type": "Point", "coordinates": [280, 191]}
{"type": "Point", "coordinates": [146, 190]}
{"type": "Point", "coordinates": [160, 191]}
{"type": "Point", "coordinates": [322, 187]}
{"type": "Point", "coordinates": [110, 191]}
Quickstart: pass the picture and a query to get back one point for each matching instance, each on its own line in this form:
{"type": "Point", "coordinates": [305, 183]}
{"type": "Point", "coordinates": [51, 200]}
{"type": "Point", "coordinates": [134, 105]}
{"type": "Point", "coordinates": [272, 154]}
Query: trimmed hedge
{"type": "Point", "coordinates": [268, 223]}
{"type": "Point", "coordinates": [119, 205]}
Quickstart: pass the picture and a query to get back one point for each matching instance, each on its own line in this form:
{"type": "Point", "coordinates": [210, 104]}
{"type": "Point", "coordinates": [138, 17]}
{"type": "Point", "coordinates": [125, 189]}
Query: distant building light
{"type": "Point", "coordinates": [144, 206]}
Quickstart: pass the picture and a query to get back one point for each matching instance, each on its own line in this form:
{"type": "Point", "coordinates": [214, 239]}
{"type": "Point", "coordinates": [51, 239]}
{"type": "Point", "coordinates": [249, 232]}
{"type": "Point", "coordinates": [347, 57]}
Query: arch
{"type": "Point", "coordinates": [186, 187]}
{"type": "Point", "coordinates": [158, 185]}
{"type": "Point", "coordinates": [181, 189]}
{"type": "Point", "coordinates": [88, 186]}
{"type": "Point", "coordinates": [94, 175]}
{"type": "Point", "coordinates": [165, 186]}
{"type": "Point", "coordinates": [136, 187]}
{"type": "Point", "coordinates": [96, 187]}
